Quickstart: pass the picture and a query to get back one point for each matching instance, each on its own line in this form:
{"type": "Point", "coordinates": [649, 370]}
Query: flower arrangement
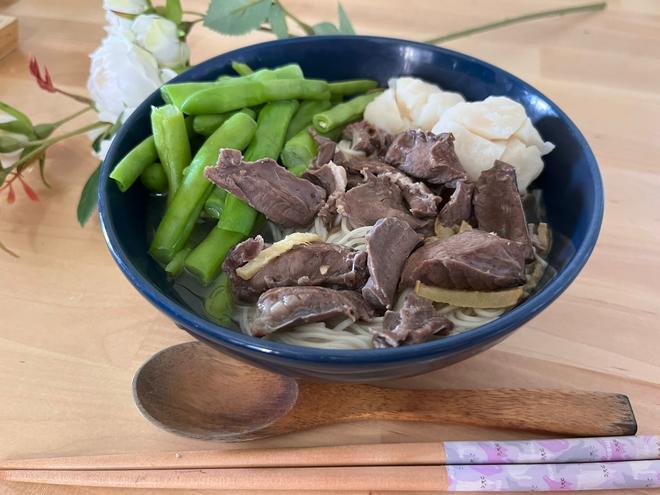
{"type": "Point", "coordinates": [144, 47]}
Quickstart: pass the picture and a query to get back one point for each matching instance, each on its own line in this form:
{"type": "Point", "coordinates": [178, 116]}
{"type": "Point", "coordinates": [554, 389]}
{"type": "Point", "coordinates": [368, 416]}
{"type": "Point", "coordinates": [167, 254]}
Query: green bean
{"type": "Point", "coordinates": [303, 117]}
{"type": "Point", "coordinates": [218, 302]}
{"type": "Point", "coordinates": [298, 152]}
{"type": "Point", "coordinates": [153, 178]}
{"type": "Point", "coordinates": [235, 95]}
{"type": "Point", "coordinates": [301, 149]}
{"type": "Point", "coordinates": [127, 171]}
{"type": "Point", "coordinates": [272, 125]}
{"type": "Point", "coordinates": [343, 114]}
{"type": "Point", "coordinates": [206, 125]}
{"type": "Point", "coordinates": [175, 227]}
{"type": "Point", "coordinates": [215, 203]}
{"type": "Point", "coordinates": [176, 93]}
{"type": "Point", "coordinates": [174, 267]}
{"type": "Point", "coordinates": [268, 141]}
{"type": "Point", "coordinates": [241, 69]}
{"type": "Point", "coordinates": [207, 257]}
{"type": "Point", "coordinates": [351, 87]}
{"type": "Point", "coordinates": [133, 164]}
{"type": "Point", "coordinates": [172, 145]}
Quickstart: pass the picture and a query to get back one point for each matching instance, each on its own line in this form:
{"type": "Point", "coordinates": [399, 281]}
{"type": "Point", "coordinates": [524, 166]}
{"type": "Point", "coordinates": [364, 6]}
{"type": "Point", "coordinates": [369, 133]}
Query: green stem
{"type": "Point", "coordinates": [45, 143]}
{"type": "Point", "coordinates": [518, 19]}
{"type": "Point", "coordinates": [303, 25]}
{"type": "Point", "coordinates": [69, 134]}
{"type": "Point", "coordinates": [192, 12]}
{"type": "Point", "coordinates": [72, 116]}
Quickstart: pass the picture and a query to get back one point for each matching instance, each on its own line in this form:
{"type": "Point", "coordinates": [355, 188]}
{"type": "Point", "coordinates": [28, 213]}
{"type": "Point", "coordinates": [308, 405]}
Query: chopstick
{"type": "Point", "coordinates": [604, 449]}
{"type": "Point", "coordinates": [439, 479]}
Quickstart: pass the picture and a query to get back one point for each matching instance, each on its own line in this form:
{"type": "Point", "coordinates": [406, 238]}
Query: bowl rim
{"type": "Point", "coordinates": [489, 332]}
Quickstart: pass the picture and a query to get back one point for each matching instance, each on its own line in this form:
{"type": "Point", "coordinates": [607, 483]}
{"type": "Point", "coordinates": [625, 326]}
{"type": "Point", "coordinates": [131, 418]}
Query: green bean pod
{"type": "Point", "coordinates": [218, 302]}
{"type": "Point", "coordinates": [205, 125]}
{"type": "Point", "coordinates": [174, 267]}
{"type": "Point", "coordinates": [351, 87]}
{"type": "Point", "coordinates": [215, 203]}
{"type": "Point", "coordinates": [177, 93]}
{"type": "Point", "coordinates": [303, 117]}
{"type": "Point", "coordinates": [241, 69]}
{"type": "Point", "coordinates": [127, 171]}
{"type": "Point", "coordinates": [205, 259]}
{"type": "Point", "coordinates": [153, 178]}
{"type": "Point", "coordinates": [298, 152]}
{"type": "Point", "coordinates": [172, 145]}
{"type": "Point", "coordinates": [181, 214]}
{"type": "Point", "coordinates": [343, 114]}
{"type": "Point", "coordinates": [239, 94]}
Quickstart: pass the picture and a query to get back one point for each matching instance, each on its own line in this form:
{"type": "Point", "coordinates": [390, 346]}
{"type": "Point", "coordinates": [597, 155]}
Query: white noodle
{"type": "Point", "coordinates": [357, 335]}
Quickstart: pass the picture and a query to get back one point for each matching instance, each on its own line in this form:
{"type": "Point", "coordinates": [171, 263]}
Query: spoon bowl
{"type": "Point", "coordinates": [193, 390]}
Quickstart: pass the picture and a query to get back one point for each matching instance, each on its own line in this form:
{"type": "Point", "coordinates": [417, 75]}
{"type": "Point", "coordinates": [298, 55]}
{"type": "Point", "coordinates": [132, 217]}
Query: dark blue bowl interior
{"type": "Point", "coordinates": [571, 185]}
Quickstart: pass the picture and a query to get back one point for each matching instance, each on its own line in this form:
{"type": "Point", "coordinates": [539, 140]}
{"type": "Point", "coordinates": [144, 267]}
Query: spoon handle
{"type": "Point", "coordinates": [565, 412]}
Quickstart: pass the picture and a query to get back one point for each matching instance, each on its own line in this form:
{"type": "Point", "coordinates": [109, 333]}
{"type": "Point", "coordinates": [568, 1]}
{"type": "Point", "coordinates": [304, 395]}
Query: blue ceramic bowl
{"type": "Point", "coordinates": [571, 184]}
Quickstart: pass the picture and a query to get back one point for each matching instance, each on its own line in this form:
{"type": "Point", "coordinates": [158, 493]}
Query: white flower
{"type": "Point", "coordinates": [122, 75]}
{"type": "Point", "coordinates": [8, 159]}
{"type": "Point", "coordinates": [119, 26]}
{"type": "Point", "coordinates": [158, 36]}
{"type": "Point", "coordinates": [132, 7]}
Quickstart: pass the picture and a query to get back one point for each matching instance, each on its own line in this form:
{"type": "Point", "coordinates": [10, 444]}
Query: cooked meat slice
{"type": "Point", "coordinates": [325, 148]}
{"type": "Point", "coordinates": [472, 260]}
{"type": "Point", "coordinates": [367, 138]}
{"type": "Point", "coordinates": [426, 156]}
{"type": "Point", "coordinates": [498, 207]}
{"type": "Point", "coordinates": [377, 198]}
{"type": "Point", "coordinates": [318, 263]}
{"type": "Point", "coordinates": [412, 324]}
{"type": "Point", "coordinates": [389, 243]}
{"type": "Point", "coordinates": [421, 201]}
{"type": "Point", "coordinates": [329, 176]}
{"type": "Point", "coordinates": [459, 206]}
{"type": "Point", "coordinates": [328, 212]}
{"type": "Point", "coordinates": [268, 188]}
{"type": "Point", "coordinates": [286, 307]}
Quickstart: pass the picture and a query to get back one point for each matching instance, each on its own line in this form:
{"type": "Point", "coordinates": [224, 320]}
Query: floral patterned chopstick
{"type": "Point", "coordinates": [575, 450]}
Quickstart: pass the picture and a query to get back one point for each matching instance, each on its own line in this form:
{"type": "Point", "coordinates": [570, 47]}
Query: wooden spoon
{"type": "Point", "coordinates": [193, 390]}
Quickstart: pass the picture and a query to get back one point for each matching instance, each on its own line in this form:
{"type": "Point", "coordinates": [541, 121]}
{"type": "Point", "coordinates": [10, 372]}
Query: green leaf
{"type": "Point", "coordinates": [42, 170]}
{"type": "Point", "coordinates": [9, 144]}
{"type": "Point", "coordinates": [325, 28]}
{"type": "Point", "coordinates": [7, 250]}
{"type": "Point", "coordinates": [277, 19]}
{"type": "Point", "coordinates": [18, 115]}
{"type": "Point", "coordinates": [236, 17]}
{"type": "Point", "coordinates": [345, 26]}
{"type": "Point", "coordinates": [173, 11]}
{"type": "Point", "coordinates": [89, 197]}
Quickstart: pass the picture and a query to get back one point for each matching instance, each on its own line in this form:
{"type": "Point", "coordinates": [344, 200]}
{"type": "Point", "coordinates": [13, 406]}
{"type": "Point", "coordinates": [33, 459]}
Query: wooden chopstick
{"type": "Point", "coordinates": [605, 449]}
{"type": "Point", "coordinates": [512, 477]}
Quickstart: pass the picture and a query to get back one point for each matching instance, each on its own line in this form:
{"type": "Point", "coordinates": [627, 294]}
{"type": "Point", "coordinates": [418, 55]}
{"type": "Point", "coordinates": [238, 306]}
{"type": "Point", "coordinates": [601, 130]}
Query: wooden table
{"type": "Point", "coordinates": [73, 330]}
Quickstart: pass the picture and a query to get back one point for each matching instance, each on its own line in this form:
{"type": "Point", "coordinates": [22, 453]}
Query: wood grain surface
{"type": "Point", "coordinates": [73, 330]}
